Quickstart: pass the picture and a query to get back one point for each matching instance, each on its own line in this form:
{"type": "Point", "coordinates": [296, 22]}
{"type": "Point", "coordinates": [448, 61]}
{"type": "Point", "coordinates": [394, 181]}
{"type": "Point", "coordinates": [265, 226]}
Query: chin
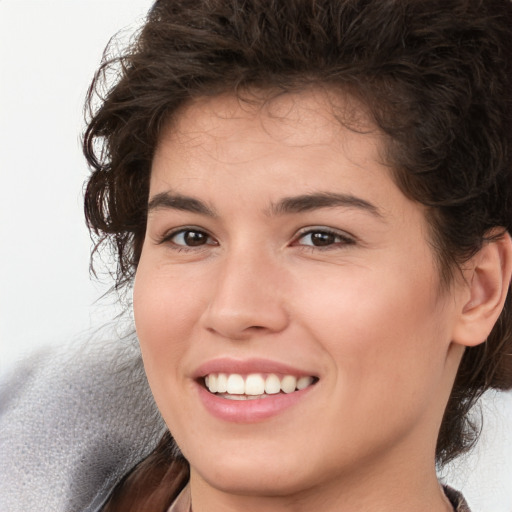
{"type": "Point", "coordinates": [258, 470]}
{"type": "Point", "coordinates": [254, 480]}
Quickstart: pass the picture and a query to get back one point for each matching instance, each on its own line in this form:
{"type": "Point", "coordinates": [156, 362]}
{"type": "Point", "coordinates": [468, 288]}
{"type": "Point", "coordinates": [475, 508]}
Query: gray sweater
{"type": "Point", "coordinates": [72, 423]}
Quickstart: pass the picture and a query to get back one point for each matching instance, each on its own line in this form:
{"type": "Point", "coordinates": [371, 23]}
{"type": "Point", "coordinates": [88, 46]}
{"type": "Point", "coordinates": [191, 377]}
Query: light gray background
{"type": "Point", "coordinates": [49, 50]}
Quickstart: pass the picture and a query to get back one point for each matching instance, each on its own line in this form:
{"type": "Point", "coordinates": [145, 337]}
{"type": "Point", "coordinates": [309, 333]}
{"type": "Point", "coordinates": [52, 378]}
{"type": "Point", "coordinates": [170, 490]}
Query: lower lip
{"type": "Point", "coordinates": [249, 411]}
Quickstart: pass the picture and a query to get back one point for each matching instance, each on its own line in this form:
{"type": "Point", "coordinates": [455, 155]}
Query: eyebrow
{"type": "Point", "coordinates": [314, 201]}
{"type": "Point", "coordinates": [179, 202]}
{"type": "Point", "coordinates": [295, 204]}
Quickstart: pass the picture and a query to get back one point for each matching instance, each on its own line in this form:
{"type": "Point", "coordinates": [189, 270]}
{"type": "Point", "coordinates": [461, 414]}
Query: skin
{"type": "Point", "coordinates": [365, 313]}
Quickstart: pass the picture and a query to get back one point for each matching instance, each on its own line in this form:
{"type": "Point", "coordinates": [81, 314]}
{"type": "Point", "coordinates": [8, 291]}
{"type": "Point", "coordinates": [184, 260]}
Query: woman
{"type": "Point", "coordinates": [313, 198]}
{"type": "Point", "coordinates": [312, 201]}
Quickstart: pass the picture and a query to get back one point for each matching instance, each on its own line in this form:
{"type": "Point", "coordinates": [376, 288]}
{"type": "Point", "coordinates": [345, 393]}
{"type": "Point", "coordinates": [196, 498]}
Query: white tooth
{"type": "Point", "coordinates": [222, 383]}
{"type": "Point", "coordinates": [236, 385]}
{"type": "Point", "coordinates": [272, 384]}
{"type": "Point", "coordinates": [288, 384]}
{"type": "Point", "coordinates": [303, 382]}
{"type": "Point", "coordinates": [206, 380]}
{"type": "Point", "coordinates": [235, 397]}
{"type": "Point", "coordinates": [212, 383]}
{"type": "Point", "coordinates": [254, 384]}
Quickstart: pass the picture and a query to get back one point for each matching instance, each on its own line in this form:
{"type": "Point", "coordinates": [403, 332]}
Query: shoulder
{"type": "Point", "coordinates": [72, 422]}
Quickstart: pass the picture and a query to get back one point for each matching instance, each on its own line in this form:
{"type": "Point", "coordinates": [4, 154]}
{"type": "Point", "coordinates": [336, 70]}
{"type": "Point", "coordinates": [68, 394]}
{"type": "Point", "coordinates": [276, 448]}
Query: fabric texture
{"type": "Point", "coordinates": [73, 421]}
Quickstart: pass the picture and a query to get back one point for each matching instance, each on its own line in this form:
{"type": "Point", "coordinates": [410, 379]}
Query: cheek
{"type": "Point", "coordinates": [164, 318]}
{"type": "Point", "coordinates": [165, 303]}
{"type": "Point", "coordinates": [166, 312]}
{"type": "Point", "coordinates": [386, 333]}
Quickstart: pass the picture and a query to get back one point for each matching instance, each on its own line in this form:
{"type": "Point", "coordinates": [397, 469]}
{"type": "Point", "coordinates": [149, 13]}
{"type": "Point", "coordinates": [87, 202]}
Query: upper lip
{"type": "Point", "coordinates": [248, 366]}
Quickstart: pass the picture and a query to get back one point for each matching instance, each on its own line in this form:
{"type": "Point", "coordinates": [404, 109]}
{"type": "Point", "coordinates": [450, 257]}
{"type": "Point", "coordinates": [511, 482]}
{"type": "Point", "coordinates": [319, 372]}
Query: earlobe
{"type": "Point", "coordinates": [487, 283]}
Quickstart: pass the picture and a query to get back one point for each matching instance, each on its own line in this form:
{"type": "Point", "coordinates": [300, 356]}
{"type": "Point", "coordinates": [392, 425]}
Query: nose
{"type": "Point", "coordinates": [247, 298]}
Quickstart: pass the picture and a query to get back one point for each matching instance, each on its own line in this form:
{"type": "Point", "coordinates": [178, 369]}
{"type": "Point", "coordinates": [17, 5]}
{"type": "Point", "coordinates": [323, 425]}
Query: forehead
{"type": "Point", "coordinates": [316, 117]}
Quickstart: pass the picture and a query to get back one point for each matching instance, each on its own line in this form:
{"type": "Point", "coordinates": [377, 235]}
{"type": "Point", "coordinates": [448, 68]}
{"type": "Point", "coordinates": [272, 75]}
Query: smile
{"type": "Point", "coordinates": [234, 386]}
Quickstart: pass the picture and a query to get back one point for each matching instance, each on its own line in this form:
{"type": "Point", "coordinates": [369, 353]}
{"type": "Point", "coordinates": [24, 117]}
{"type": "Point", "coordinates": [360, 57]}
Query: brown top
{"type": "Point", "coordinates": [182, 502]}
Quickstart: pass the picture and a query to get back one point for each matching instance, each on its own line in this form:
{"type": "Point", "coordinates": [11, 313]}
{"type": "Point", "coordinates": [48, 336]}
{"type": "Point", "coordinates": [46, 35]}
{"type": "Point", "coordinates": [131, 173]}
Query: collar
{"type": "Point", "coordinates": [182, 501]}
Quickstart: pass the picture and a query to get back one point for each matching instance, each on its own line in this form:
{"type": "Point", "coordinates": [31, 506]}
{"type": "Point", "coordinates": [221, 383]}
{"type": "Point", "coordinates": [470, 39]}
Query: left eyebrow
{"type": "Point", "coordinates": [168, 200]}
{"type": "Point", "coordinates": [308, 202]}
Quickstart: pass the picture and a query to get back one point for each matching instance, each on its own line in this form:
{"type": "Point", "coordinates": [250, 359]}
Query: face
{"type": "Point", "coordinates": [289, 309]}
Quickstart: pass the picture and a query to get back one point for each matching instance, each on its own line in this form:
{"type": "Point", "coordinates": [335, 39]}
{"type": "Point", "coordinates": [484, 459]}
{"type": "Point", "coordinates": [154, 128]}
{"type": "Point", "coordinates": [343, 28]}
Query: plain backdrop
{"type": "Point", "coordinates": [49, 50]}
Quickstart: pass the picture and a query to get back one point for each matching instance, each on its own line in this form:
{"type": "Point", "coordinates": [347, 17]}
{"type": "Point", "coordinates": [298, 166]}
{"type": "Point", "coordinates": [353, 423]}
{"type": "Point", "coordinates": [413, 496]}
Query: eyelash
{"type": "Point", "coordinates": [340, 239]}
{"type": "Point", "coordinates": [168, 238]}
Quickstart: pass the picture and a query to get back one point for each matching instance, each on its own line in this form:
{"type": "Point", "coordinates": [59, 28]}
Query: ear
{"type": "Point", "coordinates": [487, 280]}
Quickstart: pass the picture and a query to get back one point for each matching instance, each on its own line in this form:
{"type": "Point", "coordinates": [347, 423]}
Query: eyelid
{"type": "Point", "coordinates": [347, 238]}
{"type": "Point", "coordinates": [168, 235]}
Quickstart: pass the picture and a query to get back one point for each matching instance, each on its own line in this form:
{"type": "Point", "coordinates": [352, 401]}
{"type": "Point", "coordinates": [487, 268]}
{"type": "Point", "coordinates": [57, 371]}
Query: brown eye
{"type": "Point", "coordinates": [191, 238]}
{"type": "Point", "coordinates": [320, 239]}
{"type": "Point", "coordinates": [195, 238]}
{"type": "Point", "coordinates": [324, 238]}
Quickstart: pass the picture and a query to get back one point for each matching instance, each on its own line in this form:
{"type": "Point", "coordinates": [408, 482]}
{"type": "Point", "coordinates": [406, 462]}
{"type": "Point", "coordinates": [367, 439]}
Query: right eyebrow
{"type": "Point", "coordinates": [314, 201]}
{"type": "Point", "coordinates": [167, 200]}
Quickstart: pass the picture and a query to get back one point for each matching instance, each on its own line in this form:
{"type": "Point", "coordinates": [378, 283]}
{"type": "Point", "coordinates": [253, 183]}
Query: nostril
{"type": "Point", "coordinates": [236, 332]}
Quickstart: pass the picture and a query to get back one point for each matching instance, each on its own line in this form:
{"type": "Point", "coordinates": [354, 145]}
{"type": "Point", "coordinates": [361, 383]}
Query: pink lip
{"type": "Point", "coordinates": [244, 367]}
{"type": "Point", "coordinates": [248, 411]}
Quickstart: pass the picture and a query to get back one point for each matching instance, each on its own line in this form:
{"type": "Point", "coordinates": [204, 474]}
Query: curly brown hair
{"type": "Point", "coordinates": [435, 75]}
